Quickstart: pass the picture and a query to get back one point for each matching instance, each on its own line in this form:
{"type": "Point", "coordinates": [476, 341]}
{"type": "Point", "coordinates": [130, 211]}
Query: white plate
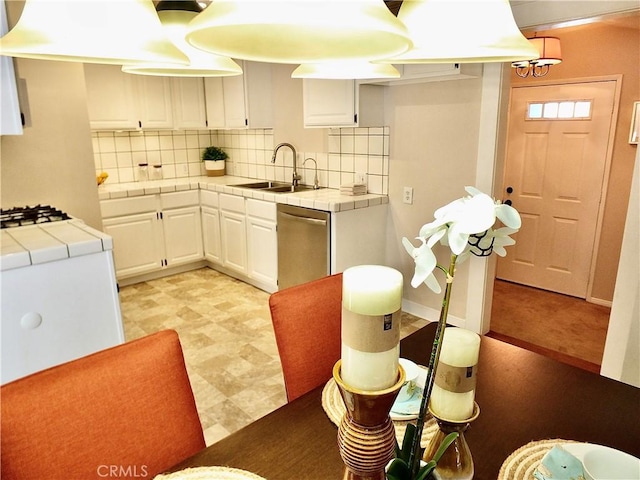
{"type": "Point", "coordinates": [579, 450]}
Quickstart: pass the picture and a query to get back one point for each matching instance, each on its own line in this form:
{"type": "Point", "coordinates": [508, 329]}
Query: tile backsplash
{"type": "Point", "coordinates": [351, 151]}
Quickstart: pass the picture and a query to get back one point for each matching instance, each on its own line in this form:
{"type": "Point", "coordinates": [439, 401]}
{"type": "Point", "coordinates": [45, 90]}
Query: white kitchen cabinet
{"type": "Point", "coordinates": [233, 233]}
{"type": "Point", "coordinates": [137, 243]}
{"type": "Point", "coordinates": [152, 232]}
{"type": "Point", "coordinates": [342, 103]}
{"type": "Point", "coordinates": [155, 108]}
{"type": "Point", "coordinates": [123, 101]}
{"type": "Point", "coordinates": [262, 243]}
{"type": "Point", "coordinates": [182, 230]}
{"type": "Point", "coordinates": [189, 109]}
{"type": "Point", "coordinates": [211, 234]}
{"type": "Point", "coordinates": [241, 101]}
{"type": "Point", "coordinates": [111, 97]}
{"type": "Point", "coordinates": [210, 226]}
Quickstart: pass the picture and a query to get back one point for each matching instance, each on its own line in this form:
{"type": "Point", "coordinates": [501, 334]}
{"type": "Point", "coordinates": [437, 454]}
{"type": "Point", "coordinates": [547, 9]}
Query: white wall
{"type": "Point", "coordinates": [621, 359]}
{"type": "Point", "coordinates": [434, 149]}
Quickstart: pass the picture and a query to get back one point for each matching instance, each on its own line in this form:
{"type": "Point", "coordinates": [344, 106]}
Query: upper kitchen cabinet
{"type": "Point", "coordinates": [342, 103]}
{"type": "Point", "coordinates": [189, 109]}
{"type": "Point", "coordinates": [155, 108]}
{"type": "Point", "coordinates": [122, 101]}
{"type": "Point", "coordinates": [110, 98]}
{"type": "Point", "coordinates": [242, 101]}
{"type": "Point", "coordinates": [431, 72]}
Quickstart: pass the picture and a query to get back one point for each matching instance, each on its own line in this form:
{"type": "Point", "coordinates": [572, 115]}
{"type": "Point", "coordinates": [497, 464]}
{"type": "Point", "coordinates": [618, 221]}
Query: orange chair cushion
{"type": "Point", "coordinates": [306, 321]}
{"type": "Point", "coordinates": [124, 412]}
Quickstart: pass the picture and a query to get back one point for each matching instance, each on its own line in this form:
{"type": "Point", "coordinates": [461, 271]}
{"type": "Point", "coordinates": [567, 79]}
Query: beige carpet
{"type": "Point", "coordinates": [566, 328]}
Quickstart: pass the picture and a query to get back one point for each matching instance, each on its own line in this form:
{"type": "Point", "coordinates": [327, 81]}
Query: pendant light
{"type": "Point", "coordinates": [299, 31]}
{"type": "Point", "coordinates": [549, 52]}
{"type": "Point", "coordinates": [90, 31]}
{"type": "Point", "coordinates": [345, 70]}
{"type": "Point", "coordinates": [175, 15]}
{"type": "Point", "coordinates": [462, 31]}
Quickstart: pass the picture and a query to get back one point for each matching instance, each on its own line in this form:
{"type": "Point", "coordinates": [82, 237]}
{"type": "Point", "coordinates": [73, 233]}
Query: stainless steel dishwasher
{"type": "Point", "coordinates": [303, 245]}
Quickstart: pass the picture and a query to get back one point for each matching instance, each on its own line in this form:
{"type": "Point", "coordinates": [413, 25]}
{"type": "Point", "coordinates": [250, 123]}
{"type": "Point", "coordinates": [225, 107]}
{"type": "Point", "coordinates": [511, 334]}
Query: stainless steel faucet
{"type": "Point", "coordinates": [295, 178]}
{"type": "Point", "coordinates": [316, 184]}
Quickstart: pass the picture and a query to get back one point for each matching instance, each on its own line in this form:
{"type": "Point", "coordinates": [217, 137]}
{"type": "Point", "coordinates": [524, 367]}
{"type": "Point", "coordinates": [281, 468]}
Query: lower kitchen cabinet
{"type": "Point", "coordinates": [211, 234]}
{"type": "Point", "coordinates": [262, 243]}
{"type": "Point", "coordinates": [136, 242]}
{"type": "Point", "coordinates": [233, 232]}
{"type": "Point", "coordinates": [153, 232]}
{"type": "Point", "coordinates": [182, 230]}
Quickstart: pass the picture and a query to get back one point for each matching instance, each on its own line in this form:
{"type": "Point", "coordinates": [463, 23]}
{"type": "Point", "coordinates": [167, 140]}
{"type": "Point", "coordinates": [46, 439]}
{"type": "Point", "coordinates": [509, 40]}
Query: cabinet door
{"type": "Point", "coordinates": [211, 234]}
{"type": "Point", "coordinates": [137, 246]}
{"type": "Point", "coordinates": [188, 102]}
{"type": "Point", "coordinates": [214, 100]}
{"type": "Point", "coordinates": [182, 235]}
{"type": "Point", "coordinates": [235, 113]}
{"type": "Point", "coordinates": [154, 98]}
{"type": "Point", "coordinates": [329, 103]}
{"type": "Point", "coordinates": [234, 240]}
{"type": "Point", "coordinates": [262, 243]}
{"type": "Point", "coordinates": [110, 97]}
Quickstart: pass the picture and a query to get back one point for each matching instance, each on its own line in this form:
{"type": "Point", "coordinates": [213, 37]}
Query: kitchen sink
{"type": "Point", "coordinates": [263, 185]}
{"type": "Point", "coordinates": [274, 187]}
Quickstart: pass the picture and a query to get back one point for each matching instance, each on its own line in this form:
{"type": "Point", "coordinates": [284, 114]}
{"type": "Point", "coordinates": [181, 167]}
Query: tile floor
{"type": "Point", "coordinates": [228, 342]}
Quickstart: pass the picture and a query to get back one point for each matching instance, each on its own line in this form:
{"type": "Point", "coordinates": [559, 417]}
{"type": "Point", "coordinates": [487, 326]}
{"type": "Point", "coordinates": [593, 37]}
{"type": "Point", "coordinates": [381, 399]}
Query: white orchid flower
{"type": "Point", "coordinates": [466, 227]}
{"type": "Point", "coordinates": [425, 264]}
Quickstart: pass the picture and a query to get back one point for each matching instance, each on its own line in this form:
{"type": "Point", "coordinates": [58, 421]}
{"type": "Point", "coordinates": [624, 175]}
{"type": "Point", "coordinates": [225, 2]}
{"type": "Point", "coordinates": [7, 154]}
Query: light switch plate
{"type": "Point", "coordinates": [360, 177]}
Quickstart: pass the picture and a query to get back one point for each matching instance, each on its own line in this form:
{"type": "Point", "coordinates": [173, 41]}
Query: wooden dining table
{"type": "Point", "coordinates": [523, 397]}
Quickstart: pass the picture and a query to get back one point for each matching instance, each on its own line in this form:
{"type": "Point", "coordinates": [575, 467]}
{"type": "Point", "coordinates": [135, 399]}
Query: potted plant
{"type": "Point", "coordinates": [213, 158]}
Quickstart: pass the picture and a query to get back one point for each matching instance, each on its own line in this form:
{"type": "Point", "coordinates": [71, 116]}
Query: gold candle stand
{"type": "Point", "coordinates": [457, 462]}
{"type": "Point", "coordinates": [366, 436]}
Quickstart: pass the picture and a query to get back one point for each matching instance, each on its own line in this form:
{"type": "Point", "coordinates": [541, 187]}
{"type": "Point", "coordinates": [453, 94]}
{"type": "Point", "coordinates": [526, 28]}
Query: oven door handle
{"type": "Point", "coordinates": [312, 221]}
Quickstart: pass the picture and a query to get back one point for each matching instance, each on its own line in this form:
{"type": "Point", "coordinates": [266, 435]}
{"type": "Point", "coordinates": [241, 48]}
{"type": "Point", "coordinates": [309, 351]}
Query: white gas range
{"type": "Point", "coordinates": [59, 291]}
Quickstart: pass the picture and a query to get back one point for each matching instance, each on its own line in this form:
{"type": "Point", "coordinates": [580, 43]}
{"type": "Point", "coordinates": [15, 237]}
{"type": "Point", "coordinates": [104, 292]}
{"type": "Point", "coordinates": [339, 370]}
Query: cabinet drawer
{"type": "Point", "coordinates": [231, 203]}
{"type": "Point", "coordinates": [260, 209]}
{"type": "Point", "coordinates": [179, 199]}
{"type": "Point", "coordinates": [128, 206]}
{"type": "Point", "coordinates": [208, 198]}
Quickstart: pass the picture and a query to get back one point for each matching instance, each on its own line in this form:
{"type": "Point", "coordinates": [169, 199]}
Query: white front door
{"type": "Point", "coordinates": [557, 146]}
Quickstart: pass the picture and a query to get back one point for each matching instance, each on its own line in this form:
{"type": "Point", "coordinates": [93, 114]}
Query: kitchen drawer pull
{"type": "Point", "coordinates": [313, 221]}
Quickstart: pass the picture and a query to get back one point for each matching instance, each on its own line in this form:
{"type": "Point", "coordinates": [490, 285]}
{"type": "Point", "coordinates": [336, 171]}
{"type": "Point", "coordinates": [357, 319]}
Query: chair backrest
{"type": "Point", "coordinates": [306, 321]}
{"type": "Point", "coordinates": [124, 412]}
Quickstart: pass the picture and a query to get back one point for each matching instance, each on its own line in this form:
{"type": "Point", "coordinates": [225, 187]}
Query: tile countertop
{"type": "Point", "coordinates": [327, 199]}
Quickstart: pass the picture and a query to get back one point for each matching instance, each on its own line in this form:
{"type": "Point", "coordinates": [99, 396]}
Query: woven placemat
{"type": "Point", "coordinates": [335, 409]}
{"type": "Point", "coordinates": [521, 464]}
{"type": "Point", "coordinates": [209, 473]}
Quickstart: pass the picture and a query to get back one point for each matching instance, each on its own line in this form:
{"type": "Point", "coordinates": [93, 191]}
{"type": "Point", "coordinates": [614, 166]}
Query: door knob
{"type": "Point", "coordinates": [509, 190]}
{"type": "Point", "coordinates": [507, 202]}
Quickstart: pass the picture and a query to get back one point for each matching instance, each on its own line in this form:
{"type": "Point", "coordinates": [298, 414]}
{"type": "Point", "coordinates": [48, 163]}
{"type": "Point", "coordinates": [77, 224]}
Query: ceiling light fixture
{"type": "Point", "coordinates": [90, 31]}
{"type": "Point", "coordinates": [462, 31]}
{"type": "Point", "coordinates": [175, 15]}
{"type": "Point", "coordinates": [345, 70]}
{"type": "Point", "coordinates": [300, 31]}
{"type": "Point", "coordinates": [549, 52]}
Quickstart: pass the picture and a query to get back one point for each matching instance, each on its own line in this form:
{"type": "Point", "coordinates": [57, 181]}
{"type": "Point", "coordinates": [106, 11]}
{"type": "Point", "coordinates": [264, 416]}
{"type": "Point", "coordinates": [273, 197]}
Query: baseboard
{"type": "Point", "coordinates": [430, 314]}
{"type": "Point", "coordinates": [600, 301]}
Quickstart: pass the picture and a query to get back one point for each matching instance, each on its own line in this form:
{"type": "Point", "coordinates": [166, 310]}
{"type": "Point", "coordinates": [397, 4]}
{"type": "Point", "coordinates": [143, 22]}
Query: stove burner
{"type": "Point", "coordinates": [21, 216]}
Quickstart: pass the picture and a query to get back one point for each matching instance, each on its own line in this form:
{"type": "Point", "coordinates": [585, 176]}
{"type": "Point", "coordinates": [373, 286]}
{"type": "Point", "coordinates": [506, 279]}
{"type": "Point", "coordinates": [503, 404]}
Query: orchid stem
{"type": "Point", "coordinates": [414, 455]}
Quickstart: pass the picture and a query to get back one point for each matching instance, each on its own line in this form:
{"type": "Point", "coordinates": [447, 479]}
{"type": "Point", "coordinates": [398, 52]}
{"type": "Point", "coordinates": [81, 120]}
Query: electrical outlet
{"type": "Point", "coordinates": [407, 195]}
{"type": "Point", "coordinates": [360, 177]}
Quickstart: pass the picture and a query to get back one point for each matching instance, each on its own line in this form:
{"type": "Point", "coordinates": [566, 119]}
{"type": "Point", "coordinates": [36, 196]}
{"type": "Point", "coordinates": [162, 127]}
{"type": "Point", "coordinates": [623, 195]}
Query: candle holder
{"type": "Point", "coordinates": [456, 463]}
{"type": "Point", "coordinates": [366, 436]}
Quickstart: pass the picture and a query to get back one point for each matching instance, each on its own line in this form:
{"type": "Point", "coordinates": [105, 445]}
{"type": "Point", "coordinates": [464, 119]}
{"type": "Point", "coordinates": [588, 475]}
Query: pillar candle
{"type": "Point", "coordinates": [454, 389]}
{"type": "Point", "coordinates": [371, 301]}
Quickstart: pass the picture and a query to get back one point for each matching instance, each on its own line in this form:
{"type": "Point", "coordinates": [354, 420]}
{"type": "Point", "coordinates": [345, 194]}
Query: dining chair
{"type": "Point", "coordinates": [124, 412]}
{"type": "Point", "coordinates": [306, 321]}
